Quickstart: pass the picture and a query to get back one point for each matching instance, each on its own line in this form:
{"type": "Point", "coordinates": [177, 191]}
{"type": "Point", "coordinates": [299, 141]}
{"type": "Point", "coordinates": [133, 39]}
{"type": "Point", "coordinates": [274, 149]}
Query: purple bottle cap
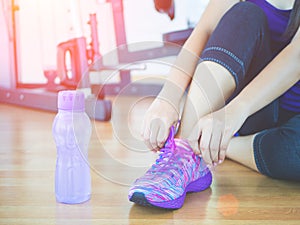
{"type": "Point", "coordinates": [72, 100]}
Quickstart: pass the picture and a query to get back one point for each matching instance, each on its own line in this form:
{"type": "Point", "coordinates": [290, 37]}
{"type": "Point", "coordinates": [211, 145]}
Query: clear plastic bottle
{"type": "Point", "coordinates": [72, 132]}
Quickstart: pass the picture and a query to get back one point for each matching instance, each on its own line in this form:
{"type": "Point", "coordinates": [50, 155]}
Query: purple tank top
{"type": "Point", "coordinates": [278, 21]}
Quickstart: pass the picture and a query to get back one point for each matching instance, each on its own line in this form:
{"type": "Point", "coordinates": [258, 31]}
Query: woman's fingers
{"type": "Point", "coordinates": [210, 138]}
{"type": "Point", "coordinates": [157, 122]}
{"type": "Point", "coordinates": [162, 135]}
{"type": "Point", "coordinates": [227, 135]}
{"type": "Point", "coordinates": [204, 143]}
{"type": "Point", "coordinates": [156, 135]}
{"type": "Point", "coordinates": [215, 140]}
{"type": "Point", "coordinates": [193, 139]}
{"type": "Point", "coordinates": [154, 128]}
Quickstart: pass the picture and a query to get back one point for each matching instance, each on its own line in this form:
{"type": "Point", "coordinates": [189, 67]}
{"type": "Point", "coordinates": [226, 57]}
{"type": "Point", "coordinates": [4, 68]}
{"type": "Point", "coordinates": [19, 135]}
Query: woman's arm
{"type": "Point", "coordinates": [164, 111]}
{"type": "Point", "coordinates": [219, 127]}
{"type": "Point", "coordinates": [181, 73]}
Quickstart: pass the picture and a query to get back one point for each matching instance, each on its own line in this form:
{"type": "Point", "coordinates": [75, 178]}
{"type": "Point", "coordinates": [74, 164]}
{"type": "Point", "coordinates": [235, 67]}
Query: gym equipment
{"type": "Point", "coordinates": [85, 58]}
{"type": "Point", "coordinates": [165, 6]}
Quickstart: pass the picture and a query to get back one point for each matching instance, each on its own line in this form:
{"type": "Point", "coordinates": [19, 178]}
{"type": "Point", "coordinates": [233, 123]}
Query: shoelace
{"type": "Point", "coordinates": [167, 158]}
{"type": "Point", "coordinates": [165, 163]}
{"type": "Point", "coordinates": [164, 160]}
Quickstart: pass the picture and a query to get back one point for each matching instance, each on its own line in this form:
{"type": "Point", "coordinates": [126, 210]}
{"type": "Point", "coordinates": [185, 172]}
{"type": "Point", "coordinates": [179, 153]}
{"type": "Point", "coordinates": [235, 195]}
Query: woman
{"type": "Point", "coordinates": [243, 101]}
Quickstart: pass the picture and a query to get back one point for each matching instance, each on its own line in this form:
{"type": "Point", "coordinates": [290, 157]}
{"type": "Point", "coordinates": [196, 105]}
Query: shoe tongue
{"type": "Point", "coordinates": [170, 141]}
{"type": "Point", "coordinates": [182, 145]}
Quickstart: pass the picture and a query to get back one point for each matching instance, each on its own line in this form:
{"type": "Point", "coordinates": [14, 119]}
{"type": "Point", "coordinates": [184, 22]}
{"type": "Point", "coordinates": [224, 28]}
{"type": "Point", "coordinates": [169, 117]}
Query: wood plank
{"type": "Point", "coordinates": [117, 157]}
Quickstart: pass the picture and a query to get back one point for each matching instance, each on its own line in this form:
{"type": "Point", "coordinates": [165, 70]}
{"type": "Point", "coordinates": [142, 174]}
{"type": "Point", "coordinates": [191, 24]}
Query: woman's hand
{"type": "Point", "coordinates": [161, 115]}
{"type": "Point", "coordinates": [211, 135]}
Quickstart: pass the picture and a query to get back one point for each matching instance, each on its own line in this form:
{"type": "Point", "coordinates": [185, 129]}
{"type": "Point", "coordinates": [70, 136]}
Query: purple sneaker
{"type": "Point", "coordinates": [177, 171]}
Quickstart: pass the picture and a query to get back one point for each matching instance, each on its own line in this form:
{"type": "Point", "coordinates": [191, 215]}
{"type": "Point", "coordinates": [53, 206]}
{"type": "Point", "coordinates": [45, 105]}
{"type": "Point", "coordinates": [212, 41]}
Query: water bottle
{"type": "Point", "coordinates": [72, 131]}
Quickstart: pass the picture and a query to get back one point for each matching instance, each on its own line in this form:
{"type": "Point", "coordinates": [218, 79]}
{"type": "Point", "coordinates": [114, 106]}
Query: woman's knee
{"type": "Point", "coordinates": [236, 39]}
{"type": "Point", "coordinates": [245, 18]}
{"type": "Point", "coordinates": [247, 12]}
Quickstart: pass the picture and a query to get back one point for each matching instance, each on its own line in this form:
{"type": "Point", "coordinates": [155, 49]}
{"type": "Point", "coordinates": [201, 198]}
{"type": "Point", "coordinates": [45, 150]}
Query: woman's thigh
{"type": "Point", "coordinates": [240, 43]}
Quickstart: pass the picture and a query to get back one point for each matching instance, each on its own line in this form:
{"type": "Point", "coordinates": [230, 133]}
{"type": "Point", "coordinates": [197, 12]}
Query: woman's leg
{"type": "Point", "coordinates": [273, 152]}
{"type": "Point", "coordinates": [240, 149]}
{"type": "Point", "coordinates": [212, 84]}
{"type": "Point", "coordinates": [236, 51]}
{"type": "Point", "coordinates": [277, 150]}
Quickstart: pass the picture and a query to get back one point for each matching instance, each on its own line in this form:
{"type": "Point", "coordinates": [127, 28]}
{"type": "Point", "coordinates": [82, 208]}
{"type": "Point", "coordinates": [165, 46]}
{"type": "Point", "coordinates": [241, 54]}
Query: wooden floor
{"type": "Point", "coordinates": [118, 156]}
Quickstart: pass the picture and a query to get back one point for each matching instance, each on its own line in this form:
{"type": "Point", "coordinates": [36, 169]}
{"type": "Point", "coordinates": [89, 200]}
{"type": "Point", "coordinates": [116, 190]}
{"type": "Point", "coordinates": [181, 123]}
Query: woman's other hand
{"type": "Point", "coordinates": [211, 135]}
{"type": "Point", "coordinates": [160, 116]}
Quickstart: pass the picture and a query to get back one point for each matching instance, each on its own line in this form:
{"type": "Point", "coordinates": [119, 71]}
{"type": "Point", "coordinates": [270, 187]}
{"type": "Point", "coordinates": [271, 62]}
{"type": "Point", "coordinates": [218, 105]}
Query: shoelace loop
{"type": "Point", "coordinates": [166, 161]}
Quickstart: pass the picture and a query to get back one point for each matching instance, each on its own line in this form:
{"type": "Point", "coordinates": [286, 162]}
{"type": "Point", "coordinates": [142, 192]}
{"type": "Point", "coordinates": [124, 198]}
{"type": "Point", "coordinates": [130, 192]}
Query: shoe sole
{"type": "Point", "coordinates": [196, 186]}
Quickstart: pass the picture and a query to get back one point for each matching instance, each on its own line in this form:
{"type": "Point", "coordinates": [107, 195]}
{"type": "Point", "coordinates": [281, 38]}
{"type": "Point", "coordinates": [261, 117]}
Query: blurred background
{"type": "Point", "coordinates": [40, 25]}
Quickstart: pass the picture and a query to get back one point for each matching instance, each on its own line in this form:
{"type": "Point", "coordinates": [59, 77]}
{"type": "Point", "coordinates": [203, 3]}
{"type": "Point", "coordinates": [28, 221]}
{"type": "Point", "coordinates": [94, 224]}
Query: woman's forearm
{"type": "Point", "coordinates": [184, 67]}
{"type": "Point", "coordinates": [181, 73]}
{"type": "Point", "coordinates": [281, 74]}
